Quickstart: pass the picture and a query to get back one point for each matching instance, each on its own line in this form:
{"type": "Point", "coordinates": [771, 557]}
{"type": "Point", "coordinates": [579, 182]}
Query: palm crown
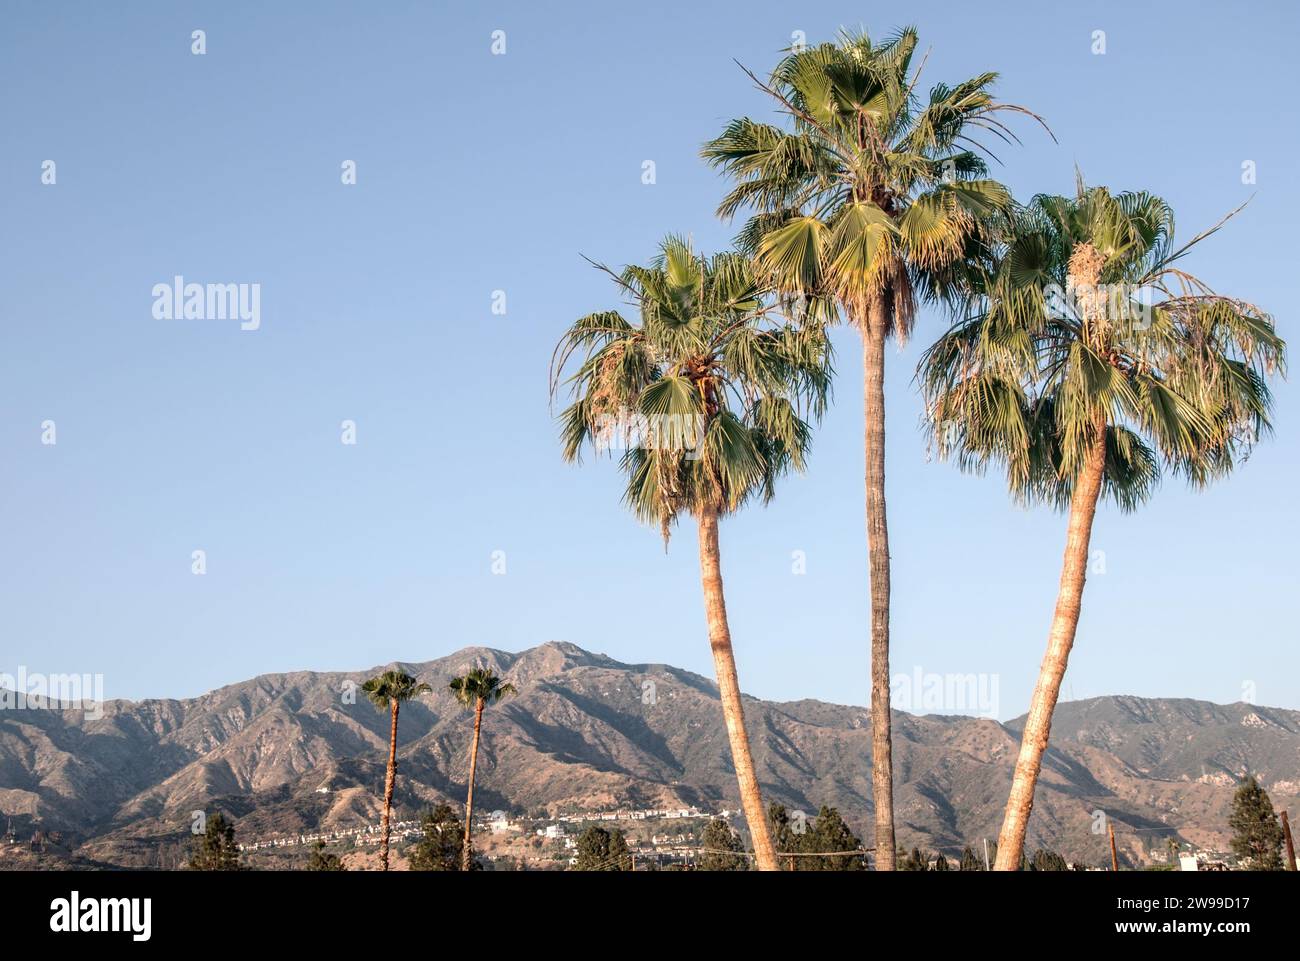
{"type": "Point", "coordinates": [1082, 327]}
{"type": "Point", "coordinates": [710, 355]}
{"type": "Point", "coordinates": [393, 686]}
{"type": "Point", "coordinates": [875, 192]}
{"type": "Point", "coordinates": [483, 684]}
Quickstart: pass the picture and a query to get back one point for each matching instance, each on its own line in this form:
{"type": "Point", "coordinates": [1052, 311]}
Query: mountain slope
{"type": "Point", "coordinates": [589, 733]}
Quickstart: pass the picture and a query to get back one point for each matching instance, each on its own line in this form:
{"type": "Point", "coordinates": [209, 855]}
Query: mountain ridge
{"type": "Point", "coordinates": [588, 732]}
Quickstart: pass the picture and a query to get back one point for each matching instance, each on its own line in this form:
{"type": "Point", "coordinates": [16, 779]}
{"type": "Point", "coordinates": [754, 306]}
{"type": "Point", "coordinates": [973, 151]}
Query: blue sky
{"type": "Point", "coordinates": [478, 173]}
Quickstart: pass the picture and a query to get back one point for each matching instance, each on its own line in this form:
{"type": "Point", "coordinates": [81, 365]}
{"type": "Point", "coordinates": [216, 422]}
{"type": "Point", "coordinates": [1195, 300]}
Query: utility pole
{"type": "Point", "coordinates": [986, 854]}
{"type": "Point", "coordinates": [1114, 857]}
{"type": "Point", "coordinates": [1290, 846]}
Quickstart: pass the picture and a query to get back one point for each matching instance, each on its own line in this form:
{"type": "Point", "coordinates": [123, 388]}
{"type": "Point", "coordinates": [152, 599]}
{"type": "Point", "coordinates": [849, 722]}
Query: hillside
{"type": "Point", "coordinates": [586, 734]}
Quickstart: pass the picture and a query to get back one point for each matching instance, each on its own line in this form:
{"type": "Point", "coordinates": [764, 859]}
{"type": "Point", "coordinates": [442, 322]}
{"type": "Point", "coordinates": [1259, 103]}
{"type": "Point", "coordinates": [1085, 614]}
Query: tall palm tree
{"type": "Point", "coordinates": [477, 689]}
{"type": "Point", "coordinates": [389, 690]}
{"type": "Point", "coordinates": [709, 390]}
{"type": "Point", "coordinates": [864, 206]}
{"type": "Point", "coordinates": [1088, 362]}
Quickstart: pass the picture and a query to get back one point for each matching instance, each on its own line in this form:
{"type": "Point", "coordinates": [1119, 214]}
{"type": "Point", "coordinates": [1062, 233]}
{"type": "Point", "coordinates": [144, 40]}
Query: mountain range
{"type": "Point", "coordinates": [305, 751]}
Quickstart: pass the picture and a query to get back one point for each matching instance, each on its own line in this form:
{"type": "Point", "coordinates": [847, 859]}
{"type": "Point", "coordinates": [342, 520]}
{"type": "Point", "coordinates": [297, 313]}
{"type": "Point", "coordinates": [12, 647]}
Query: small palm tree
{"type": "Point", "coordinates": [709, 391]}
{"type": "Point", "coordinates": [1087, 362]}
{"type": "Point", "coordinates": [864, 206]}
{"type": "Point", "coordinates": [389, 690]}
{"type": "Point", "coordinates": [477, 689]}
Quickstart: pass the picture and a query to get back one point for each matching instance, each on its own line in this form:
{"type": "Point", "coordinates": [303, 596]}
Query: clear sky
{"type": "Point", "coordinates": [479, 172]}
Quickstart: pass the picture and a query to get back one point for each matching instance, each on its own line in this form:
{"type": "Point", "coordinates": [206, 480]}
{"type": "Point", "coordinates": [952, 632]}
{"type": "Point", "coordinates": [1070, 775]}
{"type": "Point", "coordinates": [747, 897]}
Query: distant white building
{"type": "Point", "coordinates": [1187, 862]}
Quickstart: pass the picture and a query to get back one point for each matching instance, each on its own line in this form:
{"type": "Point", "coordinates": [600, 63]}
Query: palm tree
{"type": "Point", "coordinates": [1087, 362]}
{"type": "Point", "coordinates": [477, 689]}
{"type": "Point", "coordinates": [389, 690]}
{"type": "Point", "coordinates": [708, 392]}
{"type": "Point", "coordinates": [864, 206]}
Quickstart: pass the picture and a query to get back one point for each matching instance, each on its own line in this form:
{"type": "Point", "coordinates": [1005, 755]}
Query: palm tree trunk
{"type": "Point", "coordinates": [1069, 598]}
{"type": "Point", "coordinates": [873, 408]}
{"type": "Point", "coordinates": [388, 789]}
{"type": "Point", "coordinates": [733, 712]}
{"type": "Point", "coordinates": [473, 766]}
